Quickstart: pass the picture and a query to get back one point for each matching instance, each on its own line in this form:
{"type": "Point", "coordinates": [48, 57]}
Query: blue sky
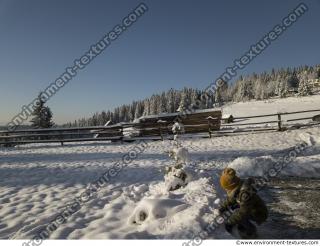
{"type": "Point", "coordinates": [175, 44]}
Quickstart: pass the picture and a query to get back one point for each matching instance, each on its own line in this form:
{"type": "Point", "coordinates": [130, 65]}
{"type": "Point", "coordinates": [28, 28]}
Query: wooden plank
{"type": "Point", "coordinates": [248, 124]}
{"type": "Point", "coordinates": [300, 112]}
{"type": "Point", "coordinates": [42, 135]}
{"type": "Point", "coordinates": [62, 134]}
{"type": "Point", "coordinates": [282, 113]}
{"type": "Point", "coordinates": [298, 119]}
{"type": "Point", "coordinates": [64, 129]}
{"type": "Point", "coordinates": [64, 140]}
{"type": "Point", "coordinates": [254, 116]}
{"type": "Point", "coordinates": [231, 131]}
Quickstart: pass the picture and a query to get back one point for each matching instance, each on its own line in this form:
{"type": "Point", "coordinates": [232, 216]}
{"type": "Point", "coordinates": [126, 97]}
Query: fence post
{"type": "Point", "coordinates": [121, 134]}
{"type": "Point", "coordinates": [161, 125]}
{"type": "Point", "coordinates": [279, 122]}
{"type": "Point", "coordinates": [160, 130]}
{"type": "Point", "coordinates": [6, 140]}
{"type": "Point", "coordinates": [209, 128]}
{"type": "Point", "coordinates": [61, 138]}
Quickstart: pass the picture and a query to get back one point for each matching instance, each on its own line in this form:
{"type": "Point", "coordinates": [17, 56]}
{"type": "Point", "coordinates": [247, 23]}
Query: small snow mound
{"type": "Point", "coordinates": [266, 165]}
{"type": "Point", "coordinates": [254, 167]}
{"type": "Point", "coordinates": [310, 139]}
{"type": "Point", "coordinates": [135, 192]}
{"type": "Point", "coordinates": [152, 209]}
{"type": "Point", "coordinates": [246, 166]}
{"type": "Point", "coordinates": [217, 201]}
{"type": "Point", "coordinates": [141, 188]}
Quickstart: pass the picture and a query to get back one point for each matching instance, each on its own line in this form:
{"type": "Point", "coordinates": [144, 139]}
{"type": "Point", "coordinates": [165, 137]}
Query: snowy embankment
{"type": "Point", "coordinates": [38, 181]}
{"type": "Point", "coordinates": [274, 106]}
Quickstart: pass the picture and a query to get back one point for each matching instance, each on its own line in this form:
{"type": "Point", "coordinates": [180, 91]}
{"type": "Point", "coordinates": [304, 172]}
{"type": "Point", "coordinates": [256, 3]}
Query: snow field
{"type": "Point", "coordinates": [37, 181]}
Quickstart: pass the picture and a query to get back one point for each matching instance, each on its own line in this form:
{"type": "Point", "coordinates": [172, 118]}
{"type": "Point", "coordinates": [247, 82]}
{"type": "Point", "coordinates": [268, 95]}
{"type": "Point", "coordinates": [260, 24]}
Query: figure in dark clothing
{"type": "Point", "coordinates": [246, 206]}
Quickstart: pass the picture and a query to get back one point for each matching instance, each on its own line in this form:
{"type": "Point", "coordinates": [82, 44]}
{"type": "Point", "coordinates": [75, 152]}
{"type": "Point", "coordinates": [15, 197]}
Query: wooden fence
{"type": "Point", "coordinates": [274, 122]}
{"type": "Point", "coordinates": [159, 127]}
{"type": "Point", "coordinates": [153, 127]}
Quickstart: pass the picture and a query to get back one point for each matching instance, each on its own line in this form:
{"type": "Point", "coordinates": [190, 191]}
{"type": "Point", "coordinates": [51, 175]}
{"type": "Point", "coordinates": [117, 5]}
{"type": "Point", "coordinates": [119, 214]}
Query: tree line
{"type": "Point", "coordinates": [277, 83]}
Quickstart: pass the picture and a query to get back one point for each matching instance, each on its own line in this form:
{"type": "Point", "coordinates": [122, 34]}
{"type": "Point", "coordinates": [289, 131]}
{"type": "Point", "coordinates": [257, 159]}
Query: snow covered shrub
{"type": "Point", "coordinates": [180, 155]}
{"type": "Point", "coordinates": [169, 169]}
{"type": "Point", "coordinates": [309, 139]}
{"type": "Point", "coordinates": [176, 177]}
{"type": "Point", "coordinates": [177, 129]}
{"type": "Point", "coordinates": [179, 174]}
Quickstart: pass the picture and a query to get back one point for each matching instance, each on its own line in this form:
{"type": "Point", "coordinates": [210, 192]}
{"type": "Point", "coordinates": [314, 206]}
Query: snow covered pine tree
{"type": "Point", "coordinates": [42, 115]}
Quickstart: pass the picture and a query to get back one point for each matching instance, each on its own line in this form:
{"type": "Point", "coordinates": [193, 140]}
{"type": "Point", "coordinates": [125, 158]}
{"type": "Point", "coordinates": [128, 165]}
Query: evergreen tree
{"type": "Point", "coordinates": [170, 101]}
{"type": "Point", "coordinates": [153, 105]}
{"type": "Point", "coordinates": [146, 110]}
{"type": "Point", "coordinates": [221, 93]}
{"type": "Point", "coordinates": [139, 110]}
{"type": "Point", "coordinates": [42, 115]}
{"type": "Point", "coordinates": [194, 100]}
{"type": "Point", "coordinates": [183, 101]}
{"type": "Point", "coordinates": [304, 87]}
{"type": "Point", "coordinates": [163, 103]}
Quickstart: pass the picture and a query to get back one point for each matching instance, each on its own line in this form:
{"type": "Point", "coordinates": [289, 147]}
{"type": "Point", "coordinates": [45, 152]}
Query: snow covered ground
{"type": "Point", "coordinates": [38, 181]}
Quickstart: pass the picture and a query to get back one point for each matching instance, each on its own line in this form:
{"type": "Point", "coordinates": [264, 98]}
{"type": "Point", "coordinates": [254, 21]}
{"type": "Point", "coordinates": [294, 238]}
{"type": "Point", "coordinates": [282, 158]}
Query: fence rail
{"type": "Point", "coordinates": [281, 123]}
{"type": "Point", "coordinates": [158, 128]}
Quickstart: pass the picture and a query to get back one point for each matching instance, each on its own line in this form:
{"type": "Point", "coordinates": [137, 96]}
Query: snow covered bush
{"type": "Point", "coordinates": [310, 139]}
{"type": "Point", "coordinates": [177, 129]}
{"type": "Point", "coordinates": [177, 176]}
{"type": "Point", "coordinates": [180, 155]}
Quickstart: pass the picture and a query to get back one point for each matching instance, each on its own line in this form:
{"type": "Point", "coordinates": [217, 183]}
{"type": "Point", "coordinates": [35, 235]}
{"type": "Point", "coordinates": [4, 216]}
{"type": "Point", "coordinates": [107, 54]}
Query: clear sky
{"type": "Point", "coordinates": [175, 44]}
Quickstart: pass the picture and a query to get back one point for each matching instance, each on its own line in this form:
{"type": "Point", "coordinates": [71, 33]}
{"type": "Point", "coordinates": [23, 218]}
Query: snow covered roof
{"type": "Point", "coordinates": [180, 113]}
